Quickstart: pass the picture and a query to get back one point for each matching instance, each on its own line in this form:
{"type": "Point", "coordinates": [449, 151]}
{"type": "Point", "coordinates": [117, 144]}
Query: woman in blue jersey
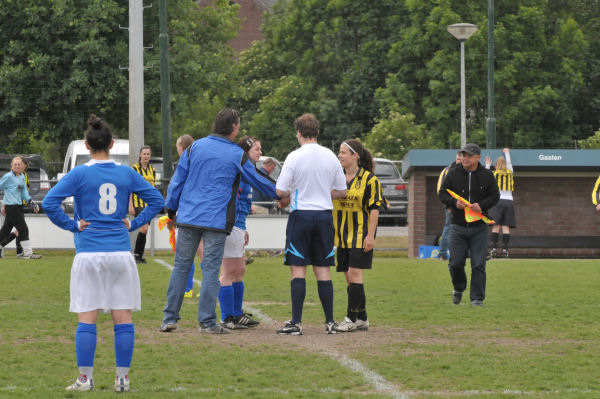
{"type": "Point", "coordinates": [231, 293]}
{"type": "Point", "coordinates": [104, 275]}
{"type": "Point", "coordinates": [14, 185]}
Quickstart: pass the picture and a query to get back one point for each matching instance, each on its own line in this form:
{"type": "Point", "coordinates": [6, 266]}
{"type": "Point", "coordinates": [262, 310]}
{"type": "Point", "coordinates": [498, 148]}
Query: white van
{"type": "Point", "coordinates": [77, 155]}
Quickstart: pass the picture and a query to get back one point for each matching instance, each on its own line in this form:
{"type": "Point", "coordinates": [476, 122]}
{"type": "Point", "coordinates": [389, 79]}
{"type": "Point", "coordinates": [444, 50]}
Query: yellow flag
{"type": "Point", "coordinates": [470, 214]}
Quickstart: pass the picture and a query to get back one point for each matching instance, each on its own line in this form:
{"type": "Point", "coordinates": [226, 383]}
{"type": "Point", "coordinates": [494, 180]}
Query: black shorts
{"type": "Point", "coordinates": [355, 257]}
{"type": "Point", "coordinates": [309, 239]}
{"type": "Point", "coordinates": [503, 213]}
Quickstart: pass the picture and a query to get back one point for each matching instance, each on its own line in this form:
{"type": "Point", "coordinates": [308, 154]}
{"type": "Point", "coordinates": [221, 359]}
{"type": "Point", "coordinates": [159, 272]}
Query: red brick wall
{"type": "Point", "coordinates": [544, 206]}
{"type": "Point", "coordinates": [251, 15]}
{"type": "Point", "coordinates": [417, 209]}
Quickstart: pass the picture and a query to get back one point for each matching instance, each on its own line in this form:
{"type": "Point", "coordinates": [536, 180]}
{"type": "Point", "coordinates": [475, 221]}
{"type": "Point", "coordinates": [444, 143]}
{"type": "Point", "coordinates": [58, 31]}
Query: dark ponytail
{"type": "Point", "coordinates": [98, 135]}
{"type": "Point", "coordinates": [365, 159]}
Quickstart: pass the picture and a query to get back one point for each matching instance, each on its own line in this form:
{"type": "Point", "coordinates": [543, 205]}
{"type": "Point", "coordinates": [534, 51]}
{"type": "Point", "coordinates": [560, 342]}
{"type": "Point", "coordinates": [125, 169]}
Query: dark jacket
{"type": "Point", "coordinates": [477, 187]}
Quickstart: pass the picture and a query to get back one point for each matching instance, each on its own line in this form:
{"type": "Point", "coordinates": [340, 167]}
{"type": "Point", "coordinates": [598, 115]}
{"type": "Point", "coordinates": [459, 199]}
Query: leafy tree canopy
{"type": "Point", "coordinates": [390, 69]}
{"type": "Point", "coordinates": [60, 61]}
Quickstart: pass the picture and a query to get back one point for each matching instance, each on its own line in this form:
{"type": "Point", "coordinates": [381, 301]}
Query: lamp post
{"type": "Point", "coordinates": [462, 32]}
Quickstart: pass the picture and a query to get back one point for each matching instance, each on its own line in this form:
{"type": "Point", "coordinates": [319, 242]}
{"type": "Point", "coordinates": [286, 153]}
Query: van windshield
{"type": "Point", "coordinates": [83, 158]}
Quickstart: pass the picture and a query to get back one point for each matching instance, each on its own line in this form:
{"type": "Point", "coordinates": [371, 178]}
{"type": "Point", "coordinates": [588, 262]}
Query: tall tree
{"type": "Point", "coordinates": [60, 62]}
{"type": "Point", "coordinates": [363, 65]}
{"type": "Point", "coordinates": [334, 51]}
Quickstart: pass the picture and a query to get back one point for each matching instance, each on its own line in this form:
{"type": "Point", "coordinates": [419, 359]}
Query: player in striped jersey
{"type": "Point", "coordinates": [137, 204]}
{"type": "Point", "coordinates": [104, 275]}
{"type": "Point", "coordinates": [445, 238]}
{"type": "Point", "coordinates": [503, 212]}
{"type": "Point", "coordinates": [355, 219]}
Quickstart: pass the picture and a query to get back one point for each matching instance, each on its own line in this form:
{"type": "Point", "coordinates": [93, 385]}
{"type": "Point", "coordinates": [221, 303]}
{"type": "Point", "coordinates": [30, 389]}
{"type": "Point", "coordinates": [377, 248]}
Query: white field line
{"type": "Point", "coordinates": [379, 382]}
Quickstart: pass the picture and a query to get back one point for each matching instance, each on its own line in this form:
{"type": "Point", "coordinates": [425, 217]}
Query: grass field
{"type": "Point", "coordinates": [538, 336]}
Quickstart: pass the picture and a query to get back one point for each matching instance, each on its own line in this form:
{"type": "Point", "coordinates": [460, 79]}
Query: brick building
{"type": "Point", "coordinates": [251, 13]}
{"type": "Point", "coordinates": [553, 203]}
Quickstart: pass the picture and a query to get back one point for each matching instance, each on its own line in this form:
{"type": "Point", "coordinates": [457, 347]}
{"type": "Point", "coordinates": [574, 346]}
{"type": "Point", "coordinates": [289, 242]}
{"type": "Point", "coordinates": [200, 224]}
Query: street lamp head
{"type": "Point", "coordinates": [462, 31]}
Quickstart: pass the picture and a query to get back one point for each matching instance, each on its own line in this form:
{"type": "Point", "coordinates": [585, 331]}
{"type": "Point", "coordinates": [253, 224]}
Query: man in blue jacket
{"type": "Point", "coordinates": [202, 194]}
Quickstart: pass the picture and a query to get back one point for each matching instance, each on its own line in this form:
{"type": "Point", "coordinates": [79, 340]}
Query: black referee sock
{"type": "Point", "coordinates": [140, 245]}
{"type": "Point", "coordinates": [298, 286]}
{"type": "Point", "coordinates": [325, 288]}
{"type": "Point", "coordinates": [505, 240]}
{"type": "Point", "coordinates": [494, 242]}
{"type": "Point", "coordinates": [355, 294]}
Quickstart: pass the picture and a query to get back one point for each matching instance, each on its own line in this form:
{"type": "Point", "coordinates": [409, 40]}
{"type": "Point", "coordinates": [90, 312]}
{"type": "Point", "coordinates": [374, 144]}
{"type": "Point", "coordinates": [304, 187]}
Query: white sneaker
{"type": "Point", "coordinates": [346, 326]}
{"type": "Point", "coordinates": [122, 384]}
{"type": "Point", "coordinates": [30, 256]}
{"type": "Point", "coordinates": [362, 324]}
{"type": "Point", "coordinates": [81, 384]}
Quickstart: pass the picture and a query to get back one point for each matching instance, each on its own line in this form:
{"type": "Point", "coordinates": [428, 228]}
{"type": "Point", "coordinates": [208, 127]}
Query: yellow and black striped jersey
{"type": "Point", "coordinates": [149, 174]}
{"type": "Point", "coordinates": [442, 177]}
{"type": "Point", "coordinates": [505, 180]}
{"type": "Point", "coordinates": [351, 213]}
{"type": "Point", "coordinates": [596, 192]}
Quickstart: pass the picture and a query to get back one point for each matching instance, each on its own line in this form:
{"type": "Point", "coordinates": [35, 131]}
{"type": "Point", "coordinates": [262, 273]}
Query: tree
{"type": "Point", "coordinates": [539, 67]}
{"type": "Point", "coordinates": [60, 62]}
{"type": "Point", "coordinates": [361, 64]}
{"type": "Point", "coordinates": [395, 134]}
{"type": "Point", "coordinates": [335, 50]}
{"type": "Point", "coordinates": [590, 143]}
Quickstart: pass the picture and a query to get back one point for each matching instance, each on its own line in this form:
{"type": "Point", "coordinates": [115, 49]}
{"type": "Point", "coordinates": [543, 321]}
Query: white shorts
{"type": "Point", "coordinates": [105, 281]}
{"type": "Point", "coordinates": [234, 244]}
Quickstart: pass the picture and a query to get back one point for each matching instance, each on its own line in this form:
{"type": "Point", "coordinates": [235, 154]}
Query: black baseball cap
{"type": "Point", "coordinates": [471, 148]}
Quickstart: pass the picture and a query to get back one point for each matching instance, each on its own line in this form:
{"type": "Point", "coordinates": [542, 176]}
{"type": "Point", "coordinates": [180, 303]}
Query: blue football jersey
{"type": "Point", "coordinates": [101, 191]}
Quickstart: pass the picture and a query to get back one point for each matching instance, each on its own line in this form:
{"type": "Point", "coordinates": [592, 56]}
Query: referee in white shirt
{"type": "Point", "coordinates": [310, 178]}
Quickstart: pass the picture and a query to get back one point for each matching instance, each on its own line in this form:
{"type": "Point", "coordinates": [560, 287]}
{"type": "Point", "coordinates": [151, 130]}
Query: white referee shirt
{"type": "Point", "coordinates": [309, 174]}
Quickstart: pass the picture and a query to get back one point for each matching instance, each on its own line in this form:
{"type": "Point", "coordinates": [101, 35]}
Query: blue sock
{"type": "Point", "coordinates": [190, 281]}
{"type": "Point", "coordinates": [238, 298]}
{"type": "Point", "coordinates": [325, 288]}
{"type": "Point", "coordinates": [85, 344]}
{"type": "Point", "coordinates": [124, 337]}
{"type": "Point", "coordinates": [226, 301]}
{"type": "Point", "coordinates": [298, 286]}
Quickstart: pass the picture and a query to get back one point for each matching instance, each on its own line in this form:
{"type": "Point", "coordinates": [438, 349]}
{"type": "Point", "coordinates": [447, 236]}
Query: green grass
{"type": "Point", "coordinates": [538, 336]}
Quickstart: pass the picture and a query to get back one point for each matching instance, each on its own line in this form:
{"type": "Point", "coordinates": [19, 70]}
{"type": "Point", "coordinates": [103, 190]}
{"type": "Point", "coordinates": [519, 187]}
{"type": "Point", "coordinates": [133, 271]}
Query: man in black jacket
{"type": "Point", "coordinates": [477, 185]}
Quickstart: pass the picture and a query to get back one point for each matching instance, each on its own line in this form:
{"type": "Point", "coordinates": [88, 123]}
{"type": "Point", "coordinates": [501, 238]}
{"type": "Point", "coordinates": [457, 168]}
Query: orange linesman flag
{"type": "Point", "coordinates": [470, 214]}
{"type": "Point", "coordinates": [162, 222]}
